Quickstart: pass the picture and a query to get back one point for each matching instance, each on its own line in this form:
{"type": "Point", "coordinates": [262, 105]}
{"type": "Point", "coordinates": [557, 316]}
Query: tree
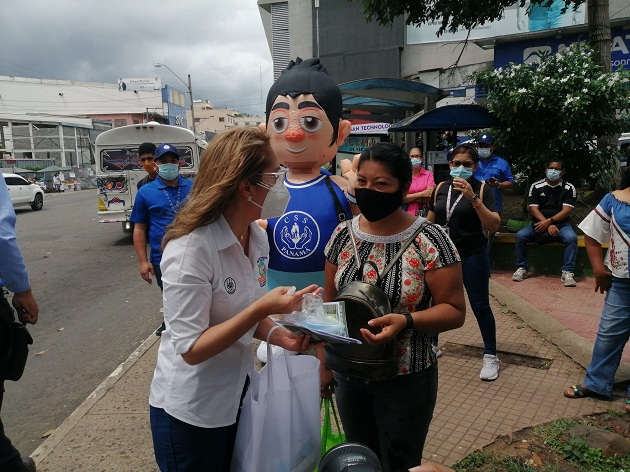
{"type": "Point", "coordinates": [559, 108]}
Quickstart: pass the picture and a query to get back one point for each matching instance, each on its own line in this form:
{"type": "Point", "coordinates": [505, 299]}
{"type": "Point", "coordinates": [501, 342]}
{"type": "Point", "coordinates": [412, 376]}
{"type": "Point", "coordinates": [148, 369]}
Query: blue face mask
{"type": "Point", "coordinates": [553, 174]}
{"type": "Point", "coordinates": [168, 171]}
{"type": "Point", "coordinates": [461, 172]}
{"type": "Point", "coordinates": [415, 162]}
{"type": "Point", "coordinates": [484, 153]}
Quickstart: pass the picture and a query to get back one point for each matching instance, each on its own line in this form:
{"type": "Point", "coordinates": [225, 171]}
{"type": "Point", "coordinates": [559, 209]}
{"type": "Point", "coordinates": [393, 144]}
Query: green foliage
{"type": "Point", "coordinates": [556, 109]}
{"type": "Point", "coordinates": [579, 452]}
{"type": "Point", "coordinates": [452, 14]}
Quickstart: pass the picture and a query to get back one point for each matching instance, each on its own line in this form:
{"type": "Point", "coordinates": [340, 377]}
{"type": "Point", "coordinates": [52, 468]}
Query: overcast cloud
{"type": "Point", "coordinates": [220, 43]}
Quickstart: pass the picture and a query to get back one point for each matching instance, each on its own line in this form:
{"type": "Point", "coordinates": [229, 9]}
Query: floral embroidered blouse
{"type": "Point", "coordinates": [404, 283]}
{"type": "Point", "coordinates": [609, 223]}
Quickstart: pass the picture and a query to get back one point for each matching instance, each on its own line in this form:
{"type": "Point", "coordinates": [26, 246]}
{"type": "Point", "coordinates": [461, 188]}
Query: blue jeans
{"type": "Point", "coordinates": [182, 447]}
{"type": "Point", "coordinates": [391, 417]}
{"type": "Point", "coordinates": [612, 336]}
{"type": "Point", "coordinates": [476, 273]}
{"type": "Point", "coordinates": [567, 237]}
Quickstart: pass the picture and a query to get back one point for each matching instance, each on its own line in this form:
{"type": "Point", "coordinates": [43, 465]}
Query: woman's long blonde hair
{"type": "Point", "coordinates": [231, 157]}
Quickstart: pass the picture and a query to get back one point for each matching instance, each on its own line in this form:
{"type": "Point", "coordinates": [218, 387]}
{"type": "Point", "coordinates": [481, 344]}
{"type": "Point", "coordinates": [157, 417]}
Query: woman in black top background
{"type": "Point", "coordinates": [466, 209]}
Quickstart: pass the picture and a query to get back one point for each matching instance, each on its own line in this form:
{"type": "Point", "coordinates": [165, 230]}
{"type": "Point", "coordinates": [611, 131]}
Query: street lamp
{"type": "Point", "coordinates": [189, 85]}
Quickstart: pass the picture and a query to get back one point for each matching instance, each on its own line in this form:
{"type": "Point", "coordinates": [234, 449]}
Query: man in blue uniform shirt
{"type": "Point", "coordinates": [155, 207]}
{"type": "Point", "coordinates": [14, 277]}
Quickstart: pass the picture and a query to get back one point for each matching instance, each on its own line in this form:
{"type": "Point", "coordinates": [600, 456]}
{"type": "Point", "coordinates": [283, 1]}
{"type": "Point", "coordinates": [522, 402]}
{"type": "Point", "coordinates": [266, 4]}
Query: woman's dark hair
{"type": "Point", "coordinates": [465, 149]}
{"type": "Point", "coordinates": [625, 179]}
{"type": "Point", "coordinates": [394, 158]}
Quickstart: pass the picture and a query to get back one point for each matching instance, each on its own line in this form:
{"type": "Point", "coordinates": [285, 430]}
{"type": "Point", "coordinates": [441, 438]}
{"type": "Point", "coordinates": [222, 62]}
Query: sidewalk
{"type": "Point", "coordinates": [545, 342]}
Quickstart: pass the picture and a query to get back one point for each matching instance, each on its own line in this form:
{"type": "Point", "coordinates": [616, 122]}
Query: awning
{"type": "Point", "coordinates": [448, 118]}
{"type": "Point", "coordinates": [387, 100]}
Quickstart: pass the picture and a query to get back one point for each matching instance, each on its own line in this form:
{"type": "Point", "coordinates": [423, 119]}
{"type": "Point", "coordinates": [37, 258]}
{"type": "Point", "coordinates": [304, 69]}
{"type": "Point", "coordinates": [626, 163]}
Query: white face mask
{"type": "Point", "coordinates": [276, 201]}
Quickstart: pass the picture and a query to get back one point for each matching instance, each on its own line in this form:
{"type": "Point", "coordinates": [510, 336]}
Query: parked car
{"type": "Point", "coordinates": [23, 192]}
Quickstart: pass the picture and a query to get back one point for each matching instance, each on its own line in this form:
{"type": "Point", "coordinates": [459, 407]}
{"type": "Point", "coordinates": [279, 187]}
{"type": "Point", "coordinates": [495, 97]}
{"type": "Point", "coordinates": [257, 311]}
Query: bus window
{"type": "Point", "coordinates": [127, 159]}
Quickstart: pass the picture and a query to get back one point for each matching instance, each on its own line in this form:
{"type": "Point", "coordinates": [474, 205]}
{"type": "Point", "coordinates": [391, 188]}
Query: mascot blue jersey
{"type": "Point", "coordinates": [298, 238]}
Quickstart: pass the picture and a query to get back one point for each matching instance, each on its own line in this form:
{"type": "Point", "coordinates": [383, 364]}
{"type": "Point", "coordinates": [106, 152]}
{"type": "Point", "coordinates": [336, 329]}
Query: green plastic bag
{"type": "Point", "coordinates": [330, 439]}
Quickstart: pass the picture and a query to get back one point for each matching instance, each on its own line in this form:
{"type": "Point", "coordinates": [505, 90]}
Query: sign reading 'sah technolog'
{"type": "Point", "coordinates": [528, 51]}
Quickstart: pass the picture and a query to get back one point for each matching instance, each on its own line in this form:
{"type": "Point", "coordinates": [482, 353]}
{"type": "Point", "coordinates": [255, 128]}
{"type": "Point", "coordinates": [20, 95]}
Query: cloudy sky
{"type": "Point", "coordinates": [220, 43]}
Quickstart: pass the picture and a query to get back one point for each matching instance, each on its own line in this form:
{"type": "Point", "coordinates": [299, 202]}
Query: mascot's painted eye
{"type": "Point", "coordinates": [310, 124]}
{"type": "Point", "coordinates": [280, 125]}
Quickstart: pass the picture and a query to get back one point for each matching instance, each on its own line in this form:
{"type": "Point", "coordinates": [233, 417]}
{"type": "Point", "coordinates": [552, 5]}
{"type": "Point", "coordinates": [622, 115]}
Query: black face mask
{"type": "Point", "coordinates": [375, 205]}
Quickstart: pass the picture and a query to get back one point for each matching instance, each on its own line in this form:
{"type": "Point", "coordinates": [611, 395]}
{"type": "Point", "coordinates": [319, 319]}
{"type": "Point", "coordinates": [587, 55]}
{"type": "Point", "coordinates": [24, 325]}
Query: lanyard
{"type": "Point", "coordinates": [488, 168]}
{"type": "Point", "coordinates": [450, 209]}
{"type": "Point", "coordinates": [174, 207]}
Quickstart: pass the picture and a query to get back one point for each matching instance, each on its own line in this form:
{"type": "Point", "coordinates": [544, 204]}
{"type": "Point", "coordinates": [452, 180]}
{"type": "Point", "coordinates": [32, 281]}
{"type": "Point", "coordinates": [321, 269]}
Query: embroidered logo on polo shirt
{"type": "Point", "coordinates": [230, 285]}
{"type": "Point", "coordinates": [296, 235]}
{"type": "Point", "coordinates": [261, 263]}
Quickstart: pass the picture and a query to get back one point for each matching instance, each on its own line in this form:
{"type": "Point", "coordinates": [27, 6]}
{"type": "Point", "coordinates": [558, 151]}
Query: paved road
{"type": "Point", "coordinates": [94, 311]}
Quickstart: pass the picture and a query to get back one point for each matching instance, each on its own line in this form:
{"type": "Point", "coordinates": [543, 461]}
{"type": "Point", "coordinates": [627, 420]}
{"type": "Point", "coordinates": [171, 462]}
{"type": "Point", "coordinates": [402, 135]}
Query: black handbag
{"type": "Point", "coordinates": [363, 302]}
{"type": "Point", "coordinates": [15, 341]}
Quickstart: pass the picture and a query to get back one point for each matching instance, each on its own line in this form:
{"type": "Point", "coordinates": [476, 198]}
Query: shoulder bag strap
{"type": "Point", "coordinates": [435, 192]}
{"type": "Point", "coordinates": [404, 247]}
{"type": "Point", "coordinates": [341, 213]}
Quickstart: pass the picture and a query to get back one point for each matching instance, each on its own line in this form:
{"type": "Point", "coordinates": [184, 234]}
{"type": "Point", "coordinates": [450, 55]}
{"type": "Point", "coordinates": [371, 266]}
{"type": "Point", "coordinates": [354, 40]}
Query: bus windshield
{"type": "Point", "coordinates": [126, 158]}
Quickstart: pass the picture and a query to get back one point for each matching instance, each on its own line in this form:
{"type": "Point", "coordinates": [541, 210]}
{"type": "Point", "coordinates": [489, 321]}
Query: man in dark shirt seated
{"type": "Point", "coordinates": [551, 201]}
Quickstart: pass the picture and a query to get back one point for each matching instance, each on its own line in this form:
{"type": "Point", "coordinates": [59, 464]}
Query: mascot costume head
{"type": "Point", "coordinates": [304, 117]}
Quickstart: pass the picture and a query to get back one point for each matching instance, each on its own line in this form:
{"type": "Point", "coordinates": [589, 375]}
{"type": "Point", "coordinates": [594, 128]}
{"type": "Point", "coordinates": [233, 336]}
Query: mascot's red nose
{"type": "Point", "coordinates": [294, 134]}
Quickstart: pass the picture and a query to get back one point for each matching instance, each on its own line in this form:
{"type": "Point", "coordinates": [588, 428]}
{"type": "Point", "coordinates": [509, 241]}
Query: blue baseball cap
{"type": "Point", "coordinates": [486, 138]}
{"type": "Point", "coordinates": [164, 149]}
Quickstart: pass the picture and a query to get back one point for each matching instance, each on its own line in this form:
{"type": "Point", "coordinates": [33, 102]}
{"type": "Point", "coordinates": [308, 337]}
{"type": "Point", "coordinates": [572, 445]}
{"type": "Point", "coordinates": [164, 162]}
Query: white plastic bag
{"type": "Point", "coordinates": [279, 427]}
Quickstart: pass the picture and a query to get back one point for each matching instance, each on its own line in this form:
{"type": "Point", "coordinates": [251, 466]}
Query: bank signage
{"type": "Point", "coordinates": [528, 51]}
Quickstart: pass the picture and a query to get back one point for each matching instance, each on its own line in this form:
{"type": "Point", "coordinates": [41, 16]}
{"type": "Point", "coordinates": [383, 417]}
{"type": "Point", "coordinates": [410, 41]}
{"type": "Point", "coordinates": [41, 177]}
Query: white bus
{"type": "Point", "coordinates": [118, 168]}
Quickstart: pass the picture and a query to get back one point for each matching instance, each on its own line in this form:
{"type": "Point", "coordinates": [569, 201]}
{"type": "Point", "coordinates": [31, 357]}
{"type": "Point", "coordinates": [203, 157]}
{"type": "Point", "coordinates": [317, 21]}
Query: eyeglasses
{"type": "Point", "coordinates": [466, 164]}
{"type": "Point", "coordinates": [270, 180]}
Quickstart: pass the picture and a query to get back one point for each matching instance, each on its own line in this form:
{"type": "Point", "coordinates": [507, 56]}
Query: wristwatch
{"type": "Point", "coordinates": [410, 321]}
{"type": "Point", "coordinates": [475, 197]}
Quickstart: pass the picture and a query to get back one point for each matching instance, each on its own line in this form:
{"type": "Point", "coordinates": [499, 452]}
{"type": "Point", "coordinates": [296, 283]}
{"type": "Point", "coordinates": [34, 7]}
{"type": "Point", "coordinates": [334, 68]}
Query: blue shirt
{"type": "Point", "coordinates": [498, 168]}
{"type": "Point", "coordinates": [297, 239]}
{"type": "Point", "coordinates": [12, 269]}
{"type": "Point", "coordinates": [155, 206]}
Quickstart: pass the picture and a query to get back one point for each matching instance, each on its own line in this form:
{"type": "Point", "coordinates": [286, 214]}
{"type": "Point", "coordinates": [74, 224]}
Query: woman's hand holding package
{"type": "Point", "coordinates": [282, 300]}
{"type": "Point", "coordinates": [390, 325]}
{"type": "Point", "coordinates": [293, 342]}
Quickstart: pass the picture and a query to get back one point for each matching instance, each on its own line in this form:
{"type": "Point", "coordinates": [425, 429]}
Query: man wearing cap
{"type": "Point", "coordinates": [155, 207]}
{"type": "Point", "coordinates": [495, 171]}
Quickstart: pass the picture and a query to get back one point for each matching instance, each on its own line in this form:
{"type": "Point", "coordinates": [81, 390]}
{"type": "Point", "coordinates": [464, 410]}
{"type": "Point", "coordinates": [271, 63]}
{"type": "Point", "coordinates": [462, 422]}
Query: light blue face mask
{"type": "Point", "coordinates": [553, 174]}
{"type": "Point", "coordinates": [168, 171]}
{"type": "Point", "coordinates": [461, 172]}
{"type": "Point", "coordinates": [484, 153]}
{"type": "Point", "coordinates": [415, 162]}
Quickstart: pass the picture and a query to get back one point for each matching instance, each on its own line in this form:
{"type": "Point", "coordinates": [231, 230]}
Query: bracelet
{"type": "Point", "coordinates": [551, 220]}
{"type": "Point", "coordinates": [351, 198]}
{"type": "Point", "coordinates": [410, 321]}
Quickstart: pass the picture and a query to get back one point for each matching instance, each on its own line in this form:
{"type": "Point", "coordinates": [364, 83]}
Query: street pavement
{"type": "Point", "coordinates": [545, 335]}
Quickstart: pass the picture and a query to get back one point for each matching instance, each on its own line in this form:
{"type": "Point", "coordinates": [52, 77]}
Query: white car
{"type": "Point", "coordinates": [23, 192]}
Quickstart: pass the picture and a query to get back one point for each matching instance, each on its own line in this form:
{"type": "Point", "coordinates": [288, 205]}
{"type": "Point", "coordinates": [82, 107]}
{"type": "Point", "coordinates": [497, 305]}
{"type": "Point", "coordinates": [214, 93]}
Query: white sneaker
{"type": "Point", "coordinates": [567, 278]}
{"type": "Point", "coordinates": [436, 350]}
{"type": "Point", "coordinates": [519, 275]}
{"type": "Point", "coordinates": [490, 370]}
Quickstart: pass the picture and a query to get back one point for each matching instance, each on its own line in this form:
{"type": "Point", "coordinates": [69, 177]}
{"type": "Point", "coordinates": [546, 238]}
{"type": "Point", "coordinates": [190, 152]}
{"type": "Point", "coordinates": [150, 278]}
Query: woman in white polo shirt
{"type": "Point", "coordinates": [214, 271]}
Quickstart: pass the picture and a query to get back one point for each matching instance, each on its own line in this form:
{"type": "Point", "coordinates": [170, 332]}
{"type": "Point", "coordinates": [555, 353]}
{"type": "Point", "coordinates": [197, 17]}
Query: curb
{"type": "Point", "coordinates": [576, 347]}
{"type": "Point", "coordinates": [99, 392]}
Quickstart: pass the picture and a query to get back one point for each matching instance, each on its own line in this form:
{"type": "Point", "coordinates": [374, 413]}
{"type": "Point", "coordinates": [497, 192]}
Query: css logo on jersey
{"type": "Point", "coordinates": [296, 235]}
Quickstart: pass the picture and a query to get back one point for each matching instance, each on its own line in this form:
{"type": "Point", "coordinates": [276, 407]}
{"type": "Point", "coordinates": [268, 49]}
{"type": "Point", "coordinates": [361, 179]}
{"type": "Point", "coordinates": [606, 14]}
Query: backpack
{"type": "Point", "coordinates": [363, 302]}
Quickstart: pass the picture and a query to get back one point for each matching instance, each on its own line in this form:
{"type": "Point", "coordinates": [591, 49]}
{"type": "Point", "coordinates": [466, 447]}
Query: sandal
{"type": "Point", "coordinates": [579, 391]}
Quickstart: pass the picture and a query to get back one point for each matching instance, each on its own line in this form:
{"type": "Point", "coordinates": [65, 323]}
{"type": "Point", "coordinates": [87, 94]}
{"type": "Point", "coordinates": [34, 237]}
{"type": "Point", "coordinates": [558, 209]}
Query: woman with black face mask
{"type": "Point", "coordinates": [391, 416]}
{"type": "Point", "coordinates": [467, 210]}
